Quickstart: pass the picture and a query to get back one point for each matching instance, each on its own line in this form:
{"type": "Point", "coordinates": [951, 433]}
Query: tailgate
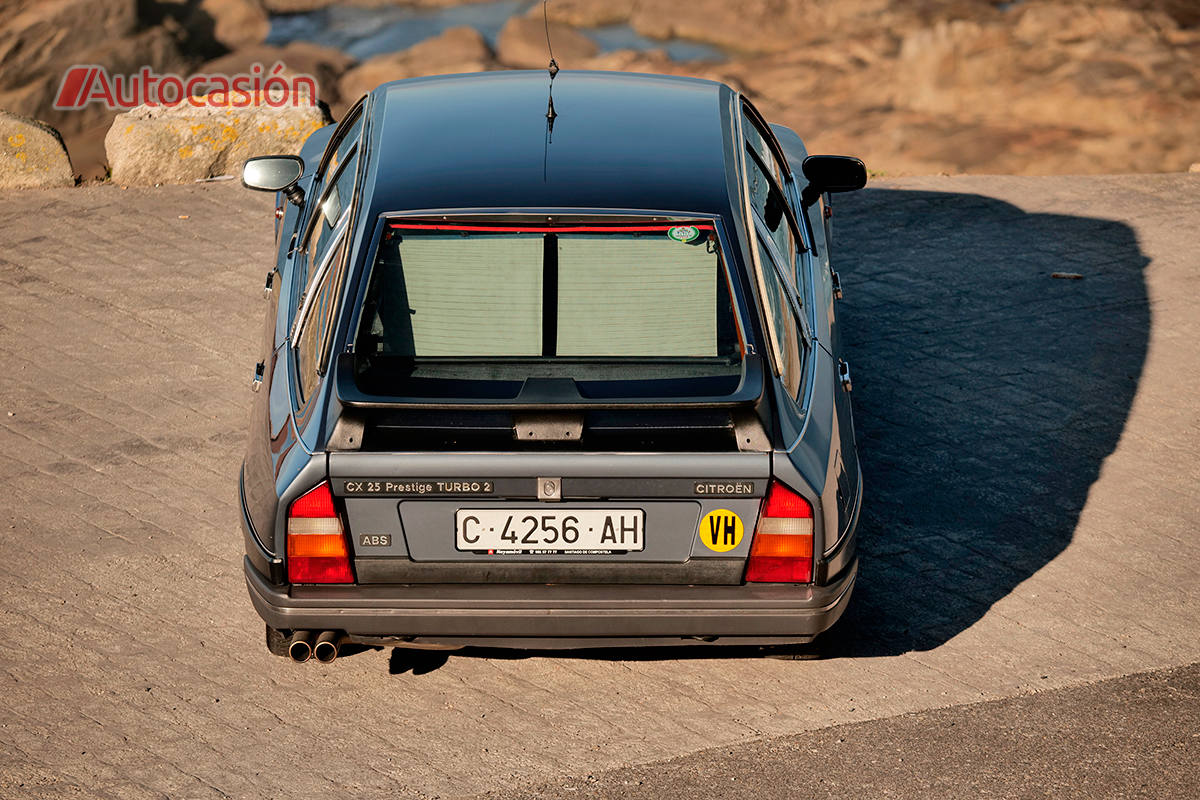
{"type": "Point", "coordinates": [533, 517]}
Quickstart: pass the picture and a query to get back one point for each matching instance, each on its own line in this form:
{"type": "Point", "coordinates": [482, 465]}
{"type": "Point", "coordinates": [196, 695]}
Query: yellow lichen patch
{"type": "Point", "coordinates": [185, 151]}
{"type": "Point", "coordinates": [20, 156]}
{"type": "Point", "coordinates": [17, 140]}
{"type": "Point", "coordinates": [197, 127]}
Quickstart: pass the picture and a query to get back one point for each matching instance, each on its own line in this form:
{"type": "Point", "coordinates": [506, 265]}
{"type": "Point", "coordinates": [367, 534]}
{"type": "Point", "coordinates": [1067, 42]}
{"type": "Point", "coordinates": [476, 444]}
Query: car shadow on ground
{"type": "Point", "coordinates": [987, 395]}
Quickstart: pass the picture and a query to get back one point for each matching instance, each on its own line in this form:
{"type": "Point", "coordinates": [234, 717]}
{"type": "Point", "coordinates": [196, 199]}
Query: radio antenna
{"type": "Point", "coordinates": [552, 69]}
{"type": "Point", "coordinates": [549, 45]}
{"type": "Point", "coordinates": [551, 114]}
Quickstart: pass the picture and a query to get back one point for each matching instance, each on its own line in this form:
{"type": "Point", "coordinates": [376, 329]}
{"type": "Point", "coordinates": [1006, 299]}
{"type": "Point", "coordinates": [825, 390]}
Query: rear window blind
{"type": "Point", "coordinates": [635, 297]}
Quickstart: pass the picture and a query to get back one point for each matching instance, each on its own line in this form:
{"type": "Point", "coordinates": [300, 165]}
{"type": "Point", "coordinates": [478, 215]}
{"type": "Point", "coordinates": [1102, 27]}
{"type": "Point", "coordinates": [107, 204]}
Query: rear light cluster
{"type": "Point", "coordinates": [783, 542]}
{"type": "Point", "coordinates": [316, 541]}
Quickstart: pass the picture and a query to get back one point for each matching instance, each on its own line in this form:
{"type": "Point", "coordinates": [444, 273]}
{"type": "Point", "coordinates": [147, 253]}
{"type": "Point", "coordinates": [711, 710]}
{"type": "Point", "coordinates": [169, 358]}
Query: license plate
{"type": "Point", "coordinates": [574, 530]}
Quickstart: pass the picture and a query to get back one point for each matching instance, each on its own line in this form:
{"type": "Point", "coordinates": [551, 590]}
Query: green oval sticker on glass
{"type": "Point", "coordinates": [684, 233]}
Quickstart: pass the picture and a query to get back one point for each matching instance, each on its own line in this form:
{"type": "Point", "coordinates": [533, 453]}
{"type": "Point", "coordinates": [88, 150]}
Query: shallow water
{"type": "Point", "coordinates": [366, 32]}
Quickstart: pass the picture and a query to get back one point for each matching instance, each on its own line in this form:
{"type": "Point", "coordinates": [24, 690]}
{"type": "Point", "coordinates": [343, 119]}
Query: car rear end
{"type": "Point", "coordinates": [551, 432]}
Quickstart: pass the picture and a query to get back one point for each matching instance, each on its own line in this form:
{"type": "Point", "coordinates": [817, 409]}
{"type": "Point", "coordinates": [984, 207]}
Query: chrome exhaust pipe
{"type": "Point", "coordinates": [300, 649]}
{"type": "Point", "coordinates": [326, 647]}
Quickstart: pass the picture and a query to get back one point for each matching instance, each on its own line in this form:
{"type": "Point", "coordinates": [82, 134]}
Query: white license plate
{"type": "Point", "coordinates": [572, 530]}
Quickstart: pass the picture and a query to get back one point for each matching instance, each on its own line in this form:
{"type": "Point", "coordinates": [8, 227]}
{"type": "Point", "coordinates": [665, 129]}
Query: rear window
{"type": "Point", "coordinates": [620, 309]}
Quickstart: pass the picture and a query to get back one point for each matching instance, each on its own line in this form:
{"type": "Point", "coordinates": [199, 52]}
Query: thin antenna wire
{"type": "Point", "coordinates": [549, 44]}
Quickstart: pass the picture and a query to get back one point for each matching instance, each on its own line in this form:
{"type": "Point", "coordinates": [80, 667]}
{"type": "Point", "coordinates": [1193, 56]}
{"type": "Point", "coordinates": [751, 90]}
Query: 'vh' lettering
{"type": "Point", "coordinates": [722, 528]}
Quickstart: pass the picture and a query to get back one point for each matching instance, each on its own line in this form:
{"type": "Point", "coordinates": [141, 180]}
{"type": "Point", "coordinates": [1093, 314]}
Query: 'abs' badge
{"type": "Point", "coordinates": [721, 530]}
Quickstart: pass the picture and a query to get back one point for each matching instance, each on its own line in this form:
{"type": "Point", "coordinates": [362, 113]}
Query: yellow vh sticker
{"type": "Point", "coordinates": [721, 530]}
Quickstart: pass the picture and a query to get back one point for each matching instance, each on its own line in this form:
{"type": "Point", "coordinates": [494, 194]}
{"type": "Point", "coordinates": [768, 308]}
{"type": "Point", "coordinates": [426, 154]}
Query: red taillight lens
{"type": "Point", "coordinates": [782, 548]}
{"type": "Point", "coordinates": [316, 541]}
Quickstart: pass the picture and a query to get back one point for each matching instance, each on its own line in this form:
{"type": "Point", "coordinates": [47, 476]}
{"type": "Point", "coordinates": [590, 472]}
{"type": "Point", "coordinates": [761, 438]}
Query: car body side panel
{"type": "Point", "coordinates": [258, 467]}
{"type": "Point", "coordinates": [296, 472]}
{"type": "Point", "coordinates": [812, 456]}
{"type": "Point", "coordinates": [844, 469]}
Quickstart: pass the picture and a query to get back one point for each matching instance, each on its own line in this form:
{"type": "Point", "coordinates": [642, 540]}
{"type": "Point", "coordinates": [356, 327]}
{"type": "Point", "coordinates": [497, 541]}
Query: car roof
{"type": "Point", "coordinates": [619, 141]}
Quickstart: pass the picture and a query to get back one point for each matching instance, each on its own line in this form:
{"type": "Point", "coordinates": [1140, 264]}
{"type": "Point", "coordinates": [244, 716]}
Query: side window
{"type": "Point", "coordinates": [338, 170]}
{"type": "Point", "coordinates": [335, 203]}
{"type": "Point", "coordinates": [766, 179]}
{"type": "Point", "coordinates": [758, 145]}
{"type": "Point", "coordinates": [338, 196]}
{"type": "Point", "coordinates": [785, 327]}
{"type": "Point", "coordinates": [346, 143]}
{"type": "Point", "coordinates": [310, 343]}
{"type": "Point", "coordinates": [816, 229]}
{"type": "Point", "coordinates": [341, 144]}
{"type": "Point", "coordinates": [766, 198]}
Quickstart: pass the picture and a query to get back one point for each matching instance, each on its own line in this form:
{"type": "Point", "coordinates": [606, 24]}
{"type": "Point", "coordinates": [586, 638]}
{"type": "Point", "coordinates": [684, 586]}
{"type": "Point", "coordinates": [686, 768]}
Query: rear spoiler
{"type": "Point", "coordinates": [549, 395]}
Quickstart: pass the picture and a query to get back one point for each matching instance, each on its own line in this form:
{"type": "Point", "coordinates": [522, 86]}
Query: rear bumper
{"type": "Point", "coordinates": [556, 615]}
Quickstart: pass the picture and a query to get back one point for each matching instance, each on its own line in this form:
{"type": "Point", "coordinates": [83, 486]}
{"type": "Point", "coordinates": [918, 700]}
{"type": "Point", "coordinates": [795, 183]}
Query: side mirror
{"type": "Point", "coordinates": [832, 174]}
{"type": "Point", "coordinates": [274, 174]}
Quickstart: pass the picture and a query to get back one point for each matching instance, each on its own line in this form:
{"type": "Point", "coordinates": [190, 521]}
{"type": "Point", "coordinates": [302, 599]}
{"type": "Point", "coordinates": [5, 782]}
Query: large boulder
{"type": "Point", "coordinates": [460, 49]}
{"type": "Point", "coordinates": [183, 143]}
{"type": "Point", "coordinates": [522, 44]}
{"type": "Point", "coordinates": [37, 37]}
{"type": "Point", "coordinates": [31, 155]}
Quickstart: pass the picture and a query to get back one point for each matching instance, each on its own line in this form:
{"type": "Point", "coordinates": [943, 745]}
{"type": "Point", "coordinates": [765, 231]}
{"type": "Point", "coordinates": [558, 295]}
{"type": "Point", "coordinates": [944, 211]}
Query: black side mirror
{"type": "Point", "coordinates": [831, 174]}
{"type": "Point", "coordinates": [274, 174]}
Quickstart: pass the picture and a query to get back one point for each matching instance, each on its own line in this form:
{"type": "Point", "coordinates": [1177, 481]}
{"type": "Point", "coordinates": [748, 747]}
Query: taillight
{"type": "Point", "coordinates": [782, 548]}
{"type": "Point", "coordinates": [316, 542]}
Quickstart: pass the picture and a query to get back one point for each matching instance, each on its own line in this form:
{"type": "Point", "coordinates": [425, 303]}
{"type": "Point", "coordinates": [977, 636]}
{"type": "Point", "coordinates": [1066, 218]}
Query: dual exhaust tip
{"type": "Point", "coordinates": [311, 644]}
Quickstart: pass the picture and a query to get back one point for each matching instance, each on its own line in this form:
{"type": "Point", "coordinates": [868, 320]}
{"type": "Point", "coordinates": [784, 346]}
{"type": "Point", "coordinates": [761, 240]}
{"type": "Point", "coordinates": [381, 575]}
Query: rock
{"type": "Point", "coordinates": [301, 6]}
{"type": "Point", "coordinates": [460, 49]}
{"type": "Point", "coordinates": [295, 6]}
{"type": "Point", "coordinates": [1195, 167]}
{"type": "Point", "coordinates": [32, 155]}
{"type": "Point", "coordinates": [522, 44]}
{"type": "Point", "coordinates": [210, 28]}
{"type": "Point", "coordinates": [39, 37]}
{"type": "Point", "coordinates": [236, 23]}
{"type": "Point", "coordinates": [325, 64]}
{"type": "Point", "coordinates": [587, 13]}
{"type": "Point", "coordinates": [150, 145]}
{"type": "Point", "coordinates": [1068, 23]}
{"type": "Point", "coordinates": [1184, 12]}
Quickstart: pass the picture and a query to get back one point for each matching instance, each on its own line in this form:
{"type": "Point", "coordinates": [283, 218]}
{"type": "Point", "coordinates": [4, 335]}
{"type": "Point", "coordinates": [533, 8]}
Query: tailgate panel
{"type": "Point", "coordinates": [401, 512]}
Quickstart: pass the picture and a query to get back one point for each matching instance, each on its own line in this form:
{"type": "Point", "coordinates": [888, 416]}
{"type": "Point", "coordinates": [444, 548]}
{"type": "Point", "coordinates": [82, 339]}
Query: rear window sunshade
{"type": "Point", "coordinates": [493, 312]}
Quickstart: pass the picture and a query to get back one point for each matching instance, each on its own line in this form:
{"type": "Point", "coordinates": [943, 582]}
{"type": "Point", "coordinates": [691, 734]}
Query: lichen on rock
{"type": "Point", "coordinates": [32, 155]}
{"type": "Point", "coordinates": [205, 137]}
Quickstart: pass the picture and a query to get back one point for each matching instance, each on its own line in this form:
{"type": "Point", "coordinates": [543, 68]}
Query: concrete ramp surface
{"type": "Point", "coordinates": [1030, 444]}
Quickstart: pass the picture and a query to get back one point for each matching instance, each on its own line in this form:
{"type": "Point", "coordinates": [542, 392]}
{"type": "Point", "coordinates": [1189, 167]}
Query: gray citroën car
{"type": "Point", "coordinates": [555, 378]}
